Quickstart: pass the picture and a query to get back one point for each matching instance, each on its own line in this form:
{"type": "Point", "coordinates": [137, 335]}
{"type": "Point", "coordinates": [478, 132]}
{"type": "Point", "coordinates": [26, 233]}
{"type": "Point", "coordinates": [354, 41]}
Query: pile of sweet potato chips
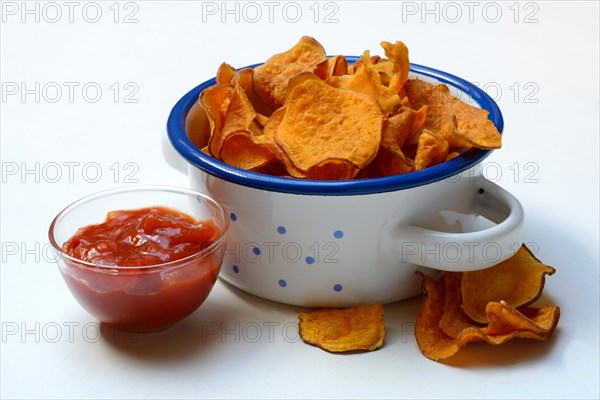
{"type": "Point", "coordinates": [491, 305]}
{"type": "Point", "coordinates": [304, 115]}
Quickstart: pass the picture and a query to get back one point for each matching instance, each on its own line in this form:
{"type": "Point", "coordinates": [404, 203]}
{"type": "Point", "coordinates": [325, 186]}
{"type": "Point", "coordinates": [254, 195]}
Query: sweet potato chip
{"type": "Point", "coordinates": [271, 78]}
{"type": "Point", "coordinates": [332, 170]}
{"type": "Point", "coordinates": [431, 150]}
{"type": "Point", "coordinates": [225, 73]}
{"type": "Point", "coordinates": [453, 155]}
{"type": "Point", "coordinates": [267, 138]}
{"type": "Point", "coordinates": [321, 123]}
{"type": "Point", "coordinates": [506, 322]}
{"type": "Point", "coordinates": [418, 91]}
{"type": "Point", "coordinates": [239, 116]}
{"type": "Point", "coordinates": [335, 330]}
{"type": "Point", "coordinates": [397, 53]}
{"type": "Point", "coordinates": [454, 320]}
{"type": "Point", "coordinates": [432, 341]}
{"type": "Point", "coordinates": [367, 80]}
{"type": "Point", "coordinates": [385, 69]}
{"type": "Point", "coordinates": [473, 125]}
{"type": "Point", "coordinates": [449, 131]}
{"type": "Point", "coordinates": [386, 163]}
{"type": "Point", "coordinates": [389, 142]}
{"type": "Point", "coordinates": [214, 100]}
{"type": "Point", "coordinates": [275, 168]}
{"type": "Point", "coordinates": [261, 120]}
{"type": "Point", "coordinates": [354, 67]}
{"type": "Point", "coordinates": [334, 66]}
{"type": "Point", "coordinates": [518, 281]}
{"type": "Point", "coordinates": [403, 125]}
{"type": "Point", "coordinates": [240, 151]}
{"type": "Point", "coordinates": [197, 125]}
{"type": "Point", "coordinates": [243, 77]}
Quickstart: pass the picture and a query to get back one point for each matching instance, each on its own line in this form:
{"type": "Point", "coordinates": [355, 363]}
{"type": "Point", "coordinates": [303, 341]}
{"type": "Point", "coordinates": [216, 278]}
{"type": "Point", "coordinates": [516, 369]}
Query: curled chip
{"type": "Point", "coordinates": [518, 281]}
{"type": "Point", "coordinates": [271, 78]}
{"type": "Point", "coordinates": [397, 129]}
{"type": "Point", "coordinates": [321, 124]}
{"type": "Point", "coordinates": [507, 322]}
{"type": "Point", "coordinates": [454, 320]}
{"type": "Point", "coordinates": [333, 66]}
{"type": "Point", "coordinates": [225, 73]}
{"type": "Point", "coordinates": [240, 151]}
{"type": "Point", "coordinates": [243, 77]}
{"type": "Point", "coordinates": [474, 128]}
{"type": "Point", "coordinates": [239, 116]}
{"type": "Point", "coordinates": [332, 170]}
{"type": "Point", "coordinates": [367, 80]}
{"type": "Point", "coordinates": [267, 138]}
{"type": "Point", "coordinates": [431, 150]}
{"type": "Point", "coordinates": [385, 68]}
{"type": "Point", "coordinates": [403, 125]}
{"type": "Point", "coordinates": [335, 330]}
{"type": "Point", "coordinates": [386, 163]}
{"type": "Point", "coordinates": [214, 100]}
{"type": "Point", "coordinates": [443, 328]}
{"type": "Point", "coordinates": [432, 341]}
{"type": "Point", "coordinates": [398, 55]}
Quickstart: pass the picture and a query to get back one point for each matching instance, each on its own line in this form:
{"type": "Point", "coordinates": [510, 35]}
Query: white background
{"type": "Point", "coordinates": [538, 59]}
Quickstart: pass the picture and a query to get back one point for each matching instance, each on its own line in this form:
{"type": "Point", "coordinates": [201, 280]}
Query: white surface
{"type": "Point", "coordinates": [552, 143]}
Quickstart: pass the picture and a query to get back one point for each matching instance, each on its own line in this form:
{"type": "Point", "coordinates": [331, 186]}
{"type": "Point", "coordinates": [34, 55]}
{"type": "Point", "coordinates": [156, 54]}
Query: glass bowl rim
{"type": "Point", "coordinates": [145, 268]}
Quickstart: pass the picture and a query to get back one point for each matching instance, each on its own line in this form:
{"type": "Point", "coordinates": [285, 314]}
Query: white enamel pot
{"type": "Point", "coordinates": [345, 243]}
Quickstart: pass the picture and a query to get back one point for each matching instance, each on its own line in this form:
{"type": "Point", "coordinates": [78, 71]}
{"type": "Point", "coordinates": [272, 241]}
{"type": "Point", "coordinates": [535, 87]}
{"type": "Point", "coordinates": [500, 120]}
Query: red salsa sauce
{"type": "Point", "coordinates": [143, 299]}
{"type": "Point", "coordinates": [143, 237]}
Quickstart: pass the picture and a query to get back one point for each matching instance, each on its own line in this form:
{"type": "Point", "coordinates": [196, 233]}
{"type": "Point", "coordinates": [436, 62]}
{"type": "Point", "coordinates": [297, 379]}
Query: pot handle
{"type": "Point", "coordinates": [171, 156]}
{"type": "Point", "coordinates": [468, 251]}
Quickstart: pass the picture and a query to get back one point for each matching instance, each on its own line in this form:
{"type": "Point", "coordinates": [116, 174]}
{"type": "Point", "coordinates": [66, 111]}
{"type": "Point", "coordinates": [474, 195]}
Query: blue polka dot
{"type": "Point", "coordinates": [282, 283]}
{"type": "Point", "coordinates": [309, 260]}
{"type": "Point", "coordinates": [233, 217]}
{"type": "Point", "coordinates": [256, 251]}
{"type": "Point", "coordinates": [338, 234]}
{"type": "Point", "coordinates": [337, 287]}
{"type": "Point", "coordinates": [236, 269]}
{"type": "Point", "coordinates": [281, 230]}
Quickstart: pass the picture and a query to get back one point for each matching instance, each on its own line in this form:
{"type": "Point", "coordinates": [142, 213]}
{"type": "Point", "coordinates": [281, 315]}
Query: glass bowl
{"type": "Point", "coordinates": [146, 298]}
